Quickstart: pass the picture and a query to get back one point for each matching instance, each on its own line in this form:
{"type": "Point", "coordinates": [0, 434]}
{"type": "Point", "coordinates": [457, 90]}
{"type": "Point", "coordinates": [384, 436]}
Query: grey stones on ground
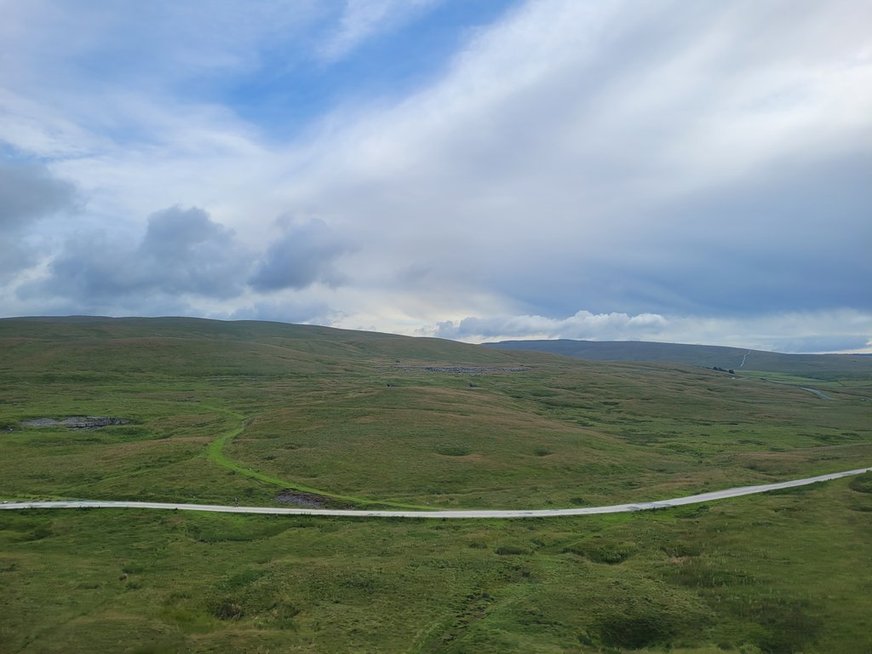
{"type": "Point", "coordinates": [298, 498]}
{"type": "Point", "coordinates": [76, 422]}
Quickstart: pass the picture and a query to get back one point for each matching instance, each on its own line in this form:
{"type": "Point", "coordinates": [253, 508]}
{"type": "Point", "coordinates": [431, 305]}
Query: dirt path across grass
{"type": "Point", "coordinates": [815, 391]}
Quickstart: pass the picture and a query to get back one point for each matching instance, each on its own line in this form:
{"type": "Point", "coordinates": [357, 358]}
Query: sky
{"type": "Point", "coordinates": [469, 169]}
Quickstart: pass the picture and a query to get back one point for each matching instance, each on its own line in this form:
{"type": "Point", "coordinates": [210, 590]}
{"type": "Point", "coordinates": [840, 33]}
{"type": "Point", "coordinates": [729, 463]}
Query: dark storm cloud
{"type": "Point", "coordinates": [303, 255]}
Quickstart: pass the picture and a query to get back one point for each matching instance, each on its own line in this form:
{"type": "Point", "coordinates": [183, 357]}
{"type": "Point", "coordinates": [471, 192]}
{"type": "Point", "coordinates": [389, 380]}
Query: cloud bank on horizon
{"type": "Point", "coordinates": [468, 169]}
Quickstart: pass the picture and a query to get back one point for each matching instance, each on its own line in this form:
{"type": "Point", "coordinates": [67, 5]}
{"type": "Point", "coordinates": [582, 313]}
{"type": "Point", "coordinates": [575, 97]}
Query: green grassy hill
{"type": "Point", "coordinates": [140, 336]}
{"type": "Point", "coordinates": [823, 366]}
{"type": "Point", "coordinates": [268, 413]}
{"type": "Point", "coordinates": [367, 418]}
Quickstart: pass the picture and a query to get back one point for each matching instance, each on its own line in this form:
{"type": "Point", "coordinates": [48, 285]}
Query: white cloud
{"type": "Point", "coordinates": [362, 20]}
{"type": "Point", "coordinates": [569, 140]}
{"type": "Point", "coordinates": [788, 332]}
{"type": "Point", "coordinates": [633, 159]}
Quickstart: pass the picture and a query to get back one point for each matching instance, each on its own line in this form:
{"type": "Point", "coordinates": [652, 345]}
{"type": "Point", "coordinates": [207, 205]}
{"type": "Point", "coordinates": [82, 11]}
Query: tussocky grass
{"type": "Point", "coordinates": [376, 420]}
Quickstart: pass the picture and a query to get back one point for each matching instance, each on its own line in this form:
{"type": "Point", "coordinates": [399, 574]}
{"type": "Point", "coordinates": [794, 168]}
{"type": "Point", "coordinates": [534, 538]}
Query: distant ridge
{"type": "Point", "coordinates": [706, 356]}
{"type": "Point", "coordinates": [86, 343]}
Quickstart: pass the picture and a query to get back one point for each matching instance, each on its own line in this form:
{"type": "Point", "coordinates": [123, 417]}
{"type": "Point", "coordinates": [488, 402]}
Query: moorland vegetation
{"type": "Point", "coordinates": [266, 413]}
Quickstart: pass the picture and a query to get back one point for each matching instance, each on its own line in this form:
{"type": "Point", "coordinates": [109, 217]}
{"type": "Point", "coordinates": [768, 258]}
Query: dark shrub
{"type": "Point", "coordinates": [227, 609]}
{"type": "Point", "coordinates": [862, 483]}
{"type": "Point", "coordinates": [634, 631]}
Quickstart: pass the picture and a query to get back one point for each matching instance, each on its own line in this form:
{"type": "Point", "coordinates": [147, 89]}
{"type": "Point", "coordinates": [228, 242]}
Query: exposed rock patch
{"type": "Point", "coordinates": [297, 498]}
{"type": "Point", "coordinates": [76, 422]}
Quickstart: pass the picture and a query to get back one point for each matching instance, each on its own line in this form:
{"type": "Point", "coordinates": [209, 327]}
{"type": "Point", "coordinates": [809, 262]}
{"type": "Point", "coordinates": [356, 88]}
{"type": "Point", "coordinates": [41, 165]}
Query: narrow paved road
{"type": "Point", "coordinates": [453, 514]}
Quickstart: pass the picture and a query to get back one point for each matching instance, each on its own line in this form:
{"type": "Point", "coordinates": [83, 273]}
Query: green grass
{"type": "Point", "coordinates": [762, 574]}
{"type": "Point", "coordinates": [359, 419]}
{"type": "Point", "coordinates": [238, 412]}
{"type": "Point", "coordinates": [215, 453]}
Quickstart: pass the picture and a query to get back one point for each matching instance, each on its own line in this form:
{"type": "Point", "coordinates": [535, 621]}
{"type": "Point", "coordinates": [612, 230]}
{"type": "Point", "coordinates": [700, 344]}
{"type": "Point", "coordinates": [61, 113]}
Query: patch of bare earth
{"type": "Point", "coordinates": [297, 498]}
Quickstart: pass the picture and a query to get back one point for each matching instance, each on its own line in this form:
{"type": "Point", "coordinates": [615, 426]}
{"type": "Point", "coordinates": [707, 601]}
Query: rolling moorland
{"type": "Point", "coordinates": [273, 414]}
{"type": "Point", "coordinates": [752, 362]}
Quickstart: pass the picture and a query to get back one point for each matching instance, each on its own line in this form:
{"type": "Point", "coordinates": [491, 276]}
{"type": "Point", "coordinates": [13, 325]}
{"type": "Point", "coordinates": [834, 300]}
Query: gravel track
{"type": "Point", "coordinates": [436, 514]}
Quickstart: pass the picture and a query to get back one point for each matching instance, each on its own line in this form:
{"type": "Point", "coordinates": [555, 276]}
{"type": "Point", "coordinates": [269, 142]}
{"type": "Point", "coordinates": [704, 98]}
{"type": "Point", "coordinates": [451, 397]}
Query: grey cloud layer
{"type": "Point", "coordinates": [696, 161]}
{"type": "Point", "coordinates": [182, 251]}
{"type": "Point", "coordinates": [28, 192]}
{"type": "Point", "coordinates": [783, 332]}
{"type": "Point", "coordinates": [185, 252]}
{"type": "Point", "coordinates": [705, 161]}
{"type": "Point", "coordinates": [794, 237]}
{"type": "Point", "coordinates": [299, 258]}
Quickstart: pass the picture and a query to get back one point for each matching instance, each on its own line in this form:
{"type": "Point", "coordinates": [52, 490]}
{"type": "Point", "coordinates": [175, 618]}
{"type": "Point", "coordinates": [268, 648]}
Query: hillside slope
{"type": "Point", "coordinates": [269, 414]}
{"type": "Point", "coordinates": [824, 366]}
{"type": "Point", "coordinates": [363, 418]}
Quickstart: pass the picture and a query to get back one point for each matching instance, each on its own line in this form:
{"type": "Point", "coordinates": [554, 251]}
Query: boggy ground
{"type": "Point", "coordinates": [242, 412]}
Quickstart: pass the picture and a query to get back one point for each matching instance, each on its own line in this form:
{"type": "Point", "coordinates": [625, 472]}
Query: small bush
{"type": "Point", "coordinates": [634, 631]}
{"type": "Point", "coordinates": [611, 553]}
{"type": "Point", "coordinates": [862, 483]}
{"type": "Point", "coordinates": [227, 609]}
{"type": "Point", "coordinates": [510, 550]}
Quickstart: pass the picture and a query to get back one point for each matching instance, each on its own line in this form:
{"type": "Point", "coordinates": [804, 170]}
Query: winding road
{"type": "Point", "coordinates": [439, 514]}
